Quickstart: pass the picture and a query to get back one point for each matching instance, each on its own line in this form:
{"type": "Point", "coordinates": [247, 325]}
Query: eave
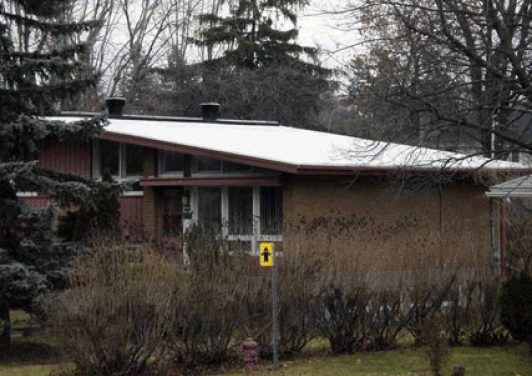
{"type": "Point", "coordinates": [211, 181]}
{"type": "Point", "coordinates": [303, 169]}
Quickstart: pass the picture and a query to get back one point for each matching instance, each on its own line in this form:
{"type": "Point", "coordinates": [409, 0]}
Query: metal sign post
{"type": "Point", "coordinates": [267, 258]}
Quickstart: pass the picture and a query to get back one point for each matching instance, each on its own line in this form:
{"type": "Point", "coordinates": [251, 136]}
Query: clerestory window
{"type": "Point", "coordinates": [120, 160]}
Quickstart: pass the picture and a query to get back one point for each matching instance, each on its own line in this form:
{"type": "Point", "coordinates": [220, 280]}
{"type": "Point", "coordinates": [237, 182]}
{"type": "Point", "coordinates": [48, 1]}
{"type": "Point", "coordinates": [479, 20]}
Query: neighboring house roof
{"type": "Point", "coordinates": [520, 187]}
{"type": "Point", "coordinates": [288, 149]}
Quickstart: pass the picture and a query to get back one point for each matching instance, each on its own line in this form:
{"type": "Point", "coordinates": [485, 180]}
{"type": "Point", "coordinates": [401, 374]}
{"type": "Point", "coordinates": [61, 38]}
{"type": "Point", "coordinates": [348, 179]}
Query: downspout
{"type": "Point", "coordinates": [498, 236]}
{"type": "Point", "coordinates": [502, 228]}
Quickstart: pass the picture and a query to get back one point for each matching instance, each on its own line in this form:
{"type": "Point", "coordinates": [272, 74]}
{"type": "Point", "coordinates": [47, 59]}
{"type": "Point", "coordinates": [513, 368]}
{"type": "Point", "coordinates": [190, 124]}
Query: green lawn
{"type": "Point", "coordinates": [505, 361]}
{"type": "Point", "coordinates": [36, 356]}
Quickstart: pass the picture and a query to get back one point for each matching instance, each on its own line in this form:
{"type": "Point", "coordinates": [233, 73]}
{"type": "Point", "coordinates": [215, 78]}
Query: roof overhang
{"type": "Point", "coordinates": [294, 168]}
{"type": "Point", "coordinates": [520, 187]}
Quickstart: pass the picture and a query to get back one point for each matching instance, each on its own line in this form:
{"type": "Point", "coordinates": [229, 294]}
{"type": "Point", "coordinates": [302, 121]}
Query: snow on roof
{"type": "Point", "coordinates": [296, 147]}
{"type": "Point", "coordinates": [520, 187]}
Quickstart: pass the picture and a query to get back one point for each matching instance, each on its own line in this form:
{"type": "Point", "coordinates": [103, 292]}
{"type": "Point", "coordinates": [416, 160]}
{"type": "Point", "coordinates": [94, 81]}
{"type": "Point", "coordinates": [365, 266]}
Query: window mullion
{"type": "Point", "coordinates": [96, 173]}
{"type": "Point", "coordinates": [122, 168]}
{"type": "Point", "coordinates": [256, 219]}
{"type": "Point", "coordinates": [225, 212]}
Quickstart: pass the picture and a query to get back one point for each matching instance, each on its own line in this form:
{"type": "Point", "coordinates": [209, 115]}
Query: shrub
{"type": "Point", "coordinates": [384, 324]}
{"type": "Point", "coordinates": [516, 307]}
{"type": "Point", "coordinates": [340, 315]}
{"type": "Point", "coordinates": [432, 337]}
{"type": "Point", "coordinates": [296, 290]}
{"type": "Point", "coordinates": [113, 318]}
{"type": "Point", "coordinates": [484, 321]}
{"type": "Point", "coordinates": [210, 308]}
{"type": "Point", "coordinates": [423, 298]}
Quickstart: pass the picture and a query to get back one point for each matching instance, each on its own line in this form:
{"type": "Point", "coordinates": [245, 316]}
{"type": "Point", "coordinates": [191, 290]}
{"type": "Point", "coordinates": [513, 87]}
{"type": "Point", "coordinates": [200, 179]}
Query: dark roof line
{"type": "Point", "coordinates": [173, 119]}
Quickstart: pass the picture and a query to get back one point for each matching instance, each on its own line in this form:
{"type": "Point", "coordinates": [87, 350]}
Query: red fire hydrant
{"type": "Point", "coordinates": [458, 371]}
{"type": "Point", "coordinates": [250, 350]}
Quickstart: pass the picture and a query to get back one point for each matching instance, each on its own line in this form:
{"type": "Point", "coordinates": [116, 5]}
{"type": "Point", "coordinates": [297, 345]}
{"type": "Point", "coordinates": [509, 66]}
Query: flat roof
{"type": "Point", "coordinates": [288, 149]}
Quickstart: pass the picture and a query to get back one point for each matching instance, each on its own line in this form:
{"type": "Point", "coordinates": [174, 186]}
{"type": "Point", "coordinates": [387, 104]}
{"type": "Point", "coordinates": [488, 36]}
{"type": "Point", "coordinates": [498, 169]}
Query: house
{"type": "Point", "coordinates": [307, 191]}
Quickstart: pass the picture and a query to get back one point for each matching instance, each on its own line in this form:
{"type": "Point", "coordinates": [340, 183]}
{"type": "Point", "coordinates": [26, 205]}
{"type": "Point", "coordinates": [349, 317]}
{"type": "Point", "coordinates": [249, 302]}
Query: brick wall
{"type": "Point", "coordinates": [370, 226]}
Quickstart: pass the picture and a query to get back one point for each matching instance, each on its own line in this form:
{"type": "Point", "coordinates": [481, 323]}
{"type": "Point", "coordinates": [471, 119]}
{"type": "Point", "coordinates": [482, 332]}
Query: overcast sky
{"type": "Point", "coordinates": [327, 31]}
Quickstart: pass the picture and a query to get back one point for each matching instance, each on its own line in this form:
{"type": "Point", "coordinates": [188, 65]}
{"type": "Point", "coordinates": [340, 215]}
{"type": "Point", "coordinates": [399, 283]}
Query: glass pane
{"type": "Point", "coordinates": [271, 210]}
{"type": "Point", "coordinates": [172, 212]}
{"type": "Point", "coordinates": [210, 207]}
{"type": "Point", "coordinates": [235, 167]}
{"type": "Point", "coordinates": [134, 160]}
{"type": "Point", "coordinates": [241, 211]}
{"type": "Point", "coordinates": [208, 164]}
{"type": "Point", "coordinates": [109, 157]}
{"type": "Point", "coordinates": [173, 162]}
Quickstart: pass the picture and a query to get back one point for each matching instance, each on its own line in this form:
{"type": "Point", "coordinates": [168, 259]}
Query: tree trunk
{"type": "Point", "coordinates": [5, 324]}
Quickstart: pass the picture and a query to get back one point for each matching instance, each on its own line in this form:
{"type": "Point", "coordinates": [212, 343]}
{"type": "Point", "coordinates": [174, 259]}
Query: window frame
{"type": "Point", "coordinates": [122, 162]}
{"type": "Point", "coordinates": [255, 237]}
{"type": "Point", "coordinates": [161, 164]}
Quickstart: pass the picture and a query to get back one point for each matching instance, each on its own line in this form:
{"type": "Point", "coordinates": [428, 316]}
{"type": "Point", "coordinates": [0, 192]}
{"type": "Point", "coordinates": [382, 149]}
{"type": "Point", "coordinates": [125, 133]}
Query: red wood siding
{"type": "Point", "coordinates": [37, 202]}
{"type": "Point", "coordinates": [71, 157]}
{"type": "Point", "coordinates": [131, 216]}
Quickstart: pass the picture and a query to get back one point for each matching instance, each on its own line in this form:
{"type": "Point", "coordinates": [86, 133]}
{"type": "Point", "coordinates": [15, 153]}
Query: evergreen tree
{"type": "Point", "coordinates": [40, 65]}
{"type": "Point", "coordinates": [249, 37]}
{"type": "Point", "coordinates": [260, 59]}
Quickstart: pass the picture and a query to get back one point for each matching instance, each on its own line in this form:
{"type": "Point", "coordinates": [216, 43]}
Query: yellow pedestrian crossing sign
{"type": "Point", "coordinates": [266, 254]}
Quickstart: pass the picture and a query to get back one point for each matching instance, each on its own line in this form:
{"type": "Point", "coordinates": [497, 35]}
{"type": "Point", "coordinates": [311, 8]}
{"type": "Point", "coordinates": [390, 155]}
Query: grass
{"type": "Point", "coordinates": [37, 356]}
{"type": "Point", "coordinates": [34, 355]}
{"type": "Point", "coordinates": [499, 361]}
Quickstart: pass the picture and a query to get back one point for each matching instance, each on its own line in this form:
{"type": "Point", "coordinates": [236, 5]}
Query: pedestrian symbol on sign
{"type": "Point", "coordinates": [266, 254]}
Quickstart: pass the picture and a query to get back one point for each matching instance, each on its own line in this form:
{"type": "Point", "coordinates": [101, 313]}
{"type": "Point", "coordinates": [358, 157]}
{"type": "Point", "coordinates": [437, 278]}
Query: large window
{"type": "Point", "coordinates": [240, 221]}
{"type": "Point", "coordinates": [207, 165]}
{"type": "Point", "coordinates": [171, 162]}
{"type": "Point", "coordinates": [242, 215]}
{"type": "Point", "coordinates": [109, 153]}
{"type": "Point", "coordinates": [119, 160]}
{"type": "Point", "coordinates": [172, 212]}
{"type": "Point", "coordinates": [271, 210]}
{"type": "Point", "coordinates": [209, 207]}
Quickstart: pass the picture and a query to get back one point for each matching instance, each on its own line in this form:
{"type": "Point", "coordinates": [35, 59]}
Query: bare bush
{"type": "Point", "coordinates": [210, 308]}
{"type": "Point", "coordinates": [423, 297]}
{"type": "Point", "coordinates": [485, 325]}
{"type": "Point", "coordinates": [113, 318]}
{"type": "Point", "coordinates": [433, 338]}
{"type": "Point", "coordinates": [297, 283]}
{"type": "Point", "coordinates": [340, 313]}
{"type": "Point", "coordinates": [384, 324]}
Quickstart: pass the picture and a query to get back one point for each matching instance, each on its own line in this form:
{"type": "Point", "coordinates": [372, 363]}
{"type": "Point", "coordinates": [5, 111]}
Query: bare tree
{"type": "Point", "coordinates": [457, 66]}
{"type": "Point", "coordinates": [133, 38]}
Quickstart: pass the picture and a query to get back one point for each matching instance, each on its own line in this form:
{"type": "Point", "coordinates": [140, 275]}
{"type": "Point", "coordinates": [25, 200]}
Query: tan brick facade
{"type": "Point", "coordinates": [370, 226]}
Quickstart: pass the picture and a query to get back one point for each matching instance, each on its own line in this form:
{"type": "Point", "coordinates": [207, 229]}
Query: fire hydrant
{"type": "Point", "coordinates": [458, 371]}
{"type": "Point", "coordinates": [250, 350]}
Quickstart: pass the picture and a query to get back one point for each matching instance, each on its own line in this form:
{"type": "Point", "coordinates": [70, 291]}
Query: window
{"type": "Point", "coordinates": [109, 153]}
{"type": "Point", "coordinates": [208, 165]}
{"type": "Point", "coordinates": [171, 162]}
{"type": "Point", "coordinates": [240, 221]}
{"type": "Point", "coordinates": [271, 210]}
{"type": "Point", "coordinates": [134, 160]}
{"type": "Point", "coordinates": [235, 167]}
{"type": "Point", "coordinates": [209, 207]}
{"type": "Point", "coordinates": [172, 212]}
{"type": "Point", "coordinates": [243, 215]}
{"type": "Point", "coordinates": [119, 160]}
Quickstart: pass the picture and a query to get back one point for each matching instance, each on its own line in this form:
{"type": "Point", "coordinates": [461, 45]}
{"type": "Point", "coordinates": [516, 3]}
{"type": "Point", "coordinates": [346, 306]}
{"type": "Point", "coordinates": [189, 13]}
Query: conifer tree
{"type": "Point", "coordinates": [260, 58]}
{"type": "Point", "coordinates": [40, 65]}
